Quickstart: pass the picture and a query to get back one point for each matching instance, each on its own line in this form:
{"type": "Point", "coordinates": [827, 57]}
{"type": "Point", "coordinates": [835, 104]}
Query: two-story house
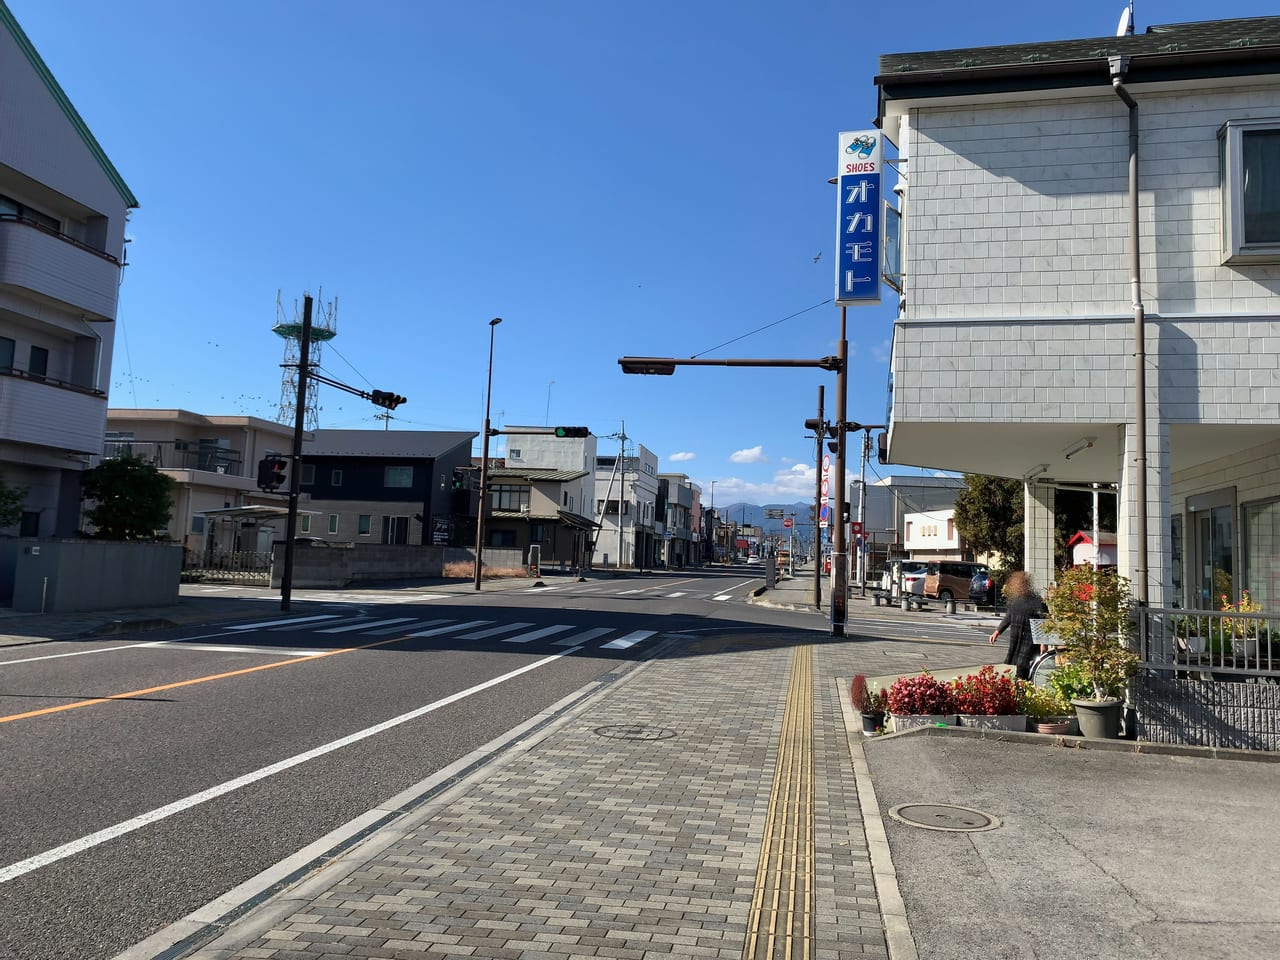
{"type": "Point", "coordinates": [544, 495]}
{"type": "Point", "coordinates": [384, 486]}
{"type": "Point", "coordinates": [218, 510]}
{"type": "Point", "coordinates": [1090, 242]}
{"type": "Point", "coordinates": [676, 507]}
{"type": "Point", "coordinates": [63, 208]}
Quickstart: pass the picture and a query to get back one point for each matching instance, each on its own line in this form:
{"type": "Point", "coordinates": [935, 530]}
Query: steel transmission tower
{"type": "Point", "coordinates": [323, 327]}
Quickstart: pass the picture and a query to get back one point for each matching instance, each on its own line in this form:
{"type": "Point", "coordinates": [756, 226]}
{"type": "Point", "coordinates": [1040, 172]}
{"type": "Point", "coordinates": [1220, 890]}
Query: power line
{"type": "Point", "coordinates": [765, 327]}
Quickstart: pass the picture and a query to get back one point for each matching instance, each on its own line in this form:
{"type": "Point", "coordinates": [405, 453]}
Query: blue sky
{"type": "Point", "coordinates": [610, 179]}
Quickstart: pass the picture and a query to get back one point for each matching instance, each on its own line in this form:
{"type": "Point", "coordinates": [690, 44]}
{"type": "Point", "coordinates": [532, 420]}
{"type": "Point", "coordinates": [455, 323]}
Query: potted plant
{"type": "Point", "coordinates": [870, 703]}
{"type": "Point", "coordinates": [920, 700]}
{"type": "Point", "coordinates": [988, 699]}
{"type": "Point", "coordinates": [1090, 612]}
{"type": "Point", "coordinates": [1047, 710]}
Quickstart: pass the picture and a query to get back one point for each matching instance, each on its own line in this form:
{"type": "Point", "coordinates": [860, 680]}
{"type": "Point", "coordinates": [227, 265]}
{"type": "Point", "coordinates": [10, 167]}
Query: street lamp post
{"type": "Point", "coordinates": [714, 540]}
{"type": "Point", "coordinates": [484, 459]}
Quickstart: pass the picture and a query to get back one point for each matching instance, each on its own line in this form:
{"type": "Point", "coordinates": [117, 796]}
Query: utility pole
{"type": "Point", "coordinates": [622, 486]}
{"type": "Point", "coordinates": [817, 507]}
{"type": "Point", "coordinates": [295, 468]}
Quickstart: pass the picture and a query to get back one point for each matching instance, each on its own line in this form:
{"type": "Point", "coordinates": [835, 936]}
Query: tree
{"type": "Point", "coordinates": [131, 499]}
{"type": "Point", "coordinates": [12, 500]}
{"type": "Point", "coordinates": [989, 517]}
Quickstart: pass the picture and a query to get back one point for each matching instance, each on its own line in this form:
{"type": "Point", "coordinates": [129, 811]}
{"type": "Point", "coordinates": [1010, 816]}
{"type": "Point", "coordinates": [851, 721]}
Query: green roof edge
{"type": "Point", "coordinates": [59, 95]}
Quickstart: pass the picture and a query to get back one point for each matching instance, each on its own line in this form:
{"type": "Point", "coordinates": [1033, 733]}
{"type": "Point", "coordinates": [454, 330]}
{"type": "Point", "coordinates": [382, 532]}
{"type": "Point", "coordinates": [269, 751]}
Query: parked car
{"type": "Point", "coordinates": [982, 589]}
{"type": "Point", "coordinates": [912, 573]}
{"type": "Point", "coordinates": [949, 579]}
{"type": "Point", "coordinates": [753, 559]}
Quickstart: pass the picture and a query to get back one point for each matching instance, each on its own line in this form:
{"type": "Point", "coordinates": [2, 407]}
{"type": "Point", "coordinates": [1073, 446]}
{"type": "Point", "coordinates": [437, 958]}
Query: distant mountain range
{"type": "Point", "coordinates": [752, 515]}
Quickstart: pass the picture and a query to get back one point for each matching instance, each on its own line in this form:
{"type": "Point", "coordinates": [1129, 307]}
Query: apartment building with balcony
{"type": "Point", "coordinates": [626, 494]}
{"type": "Point", "coordinates": [213, 462]}
{"type": "Point", "coordinates": [1057, 200]}
{"type": "Point", "coordinates": [63, 208]}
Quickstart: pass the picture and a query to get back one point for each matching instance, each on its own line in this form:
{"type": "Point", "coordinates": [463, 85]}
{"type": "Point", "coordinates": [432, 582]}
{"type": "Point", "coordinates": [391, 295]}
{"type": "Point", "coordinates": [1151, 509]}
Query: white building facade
{"type": "Point", "coordinates": [63, 208]}
{"type": "Point", "coordinates": [1014, 349]}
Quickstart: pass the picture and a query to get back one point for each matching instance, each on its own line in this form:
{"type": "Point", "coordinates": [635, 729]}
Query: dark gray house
{"type": "Point", "coordinates": [381, 486]}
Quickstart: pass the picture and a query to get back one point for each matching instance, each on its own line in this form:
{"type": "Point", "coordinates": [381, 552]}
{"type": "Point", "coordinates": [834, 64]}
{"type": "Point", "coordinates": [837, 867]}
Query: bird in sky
{"type": "Point", "coordinates": [818, 257]}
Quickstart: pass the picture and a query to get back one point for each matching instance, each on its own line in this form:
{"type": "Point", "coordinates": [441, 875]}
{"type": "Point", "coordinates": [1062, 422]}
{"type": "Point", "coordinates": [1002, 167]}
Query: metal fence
{"type": "Point", "coordinates": [239, 567]}
{"type": "Point", "coordinates": [1208, 678]}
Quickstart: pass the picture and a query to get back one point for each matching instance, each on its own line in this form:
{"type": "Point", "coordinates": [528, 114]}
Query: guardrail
{"type": "Point", "coordinates": [1220, 642]}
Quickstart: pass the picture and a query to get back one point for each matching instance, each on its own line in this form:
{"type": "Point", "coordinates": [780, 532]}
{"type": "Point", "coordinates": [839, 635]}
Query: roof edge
{"type": "Point", "coordinates": [60, 97]}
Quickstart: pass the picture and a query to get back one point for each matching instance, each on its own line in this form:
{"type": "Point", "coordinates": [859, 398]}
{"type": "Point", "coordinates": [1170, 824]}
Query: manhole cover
{"type": "Point", "coordinates": [943, 816]}
{"type": "Point", "coordinates": [634, 731]}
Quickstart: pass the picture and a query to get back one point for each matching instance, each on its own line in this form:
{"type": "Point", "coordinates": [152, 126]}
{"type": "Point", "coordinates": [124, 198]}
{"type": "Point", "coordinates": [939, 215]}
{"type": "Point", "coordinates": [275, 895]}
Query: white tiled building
{"type": "Point", "coordinates": [1014, 349]}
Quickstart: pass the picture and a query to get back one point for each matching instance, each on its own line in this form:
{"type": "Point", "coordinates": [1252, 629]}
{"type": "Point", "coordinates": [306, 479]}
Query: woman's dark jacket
{"type": "Point", "coordinates": [1017, 620]}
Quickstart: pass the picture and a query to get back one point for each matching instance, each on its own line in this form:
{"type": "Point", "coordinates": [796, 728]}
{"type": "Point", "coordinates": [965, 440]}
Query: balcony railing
{"type": "Point", "coordinates": [178, 455]}
{"type": "Point", "coordinates": [1222, 643]}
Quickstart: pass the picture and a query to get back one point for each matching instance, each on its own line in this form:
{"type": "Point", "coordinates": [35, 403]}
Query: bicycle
{"type": "Point", "coordinates": [1044, 664]}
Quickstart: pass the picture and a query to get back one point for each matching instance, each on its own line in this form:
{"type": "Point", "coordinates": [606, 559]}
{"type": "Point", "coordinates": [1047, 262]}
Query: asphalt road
{"type": "Point", "coordinates": [145, 776]}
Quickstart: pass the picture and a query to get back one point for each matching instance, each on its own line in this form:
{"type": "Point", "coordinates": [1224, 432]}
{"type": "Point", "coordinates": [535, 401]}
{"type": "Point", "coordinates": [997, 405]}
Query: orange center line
{"type": "Point", "coordinates": [187, 683]}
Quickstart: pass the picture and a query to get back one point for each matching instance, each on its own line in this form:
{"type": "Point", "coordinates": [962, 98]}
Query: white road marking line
{"type": "Point", "coordinates": [404, 624]}
{"type": "Point", "coordinates": [22, 867]}
{"type": "Point", "coordinates": [76, 653]}
{"type": "Point", "coordinates": [226, 648]}
{"type": "Point", "coordinates": [422, 623]}
{"type": "Point", "coordinates": [623, 593]}
{"type": "Point", "coordinates": [281, 623]}
{"type": "Point", "coordinates": [679, 593]}
{"type": "Point", "coordinates": [457, 626]}
{"type": "Point", "coordinates": [723, 596]}
{"type": "Point", "coordinates": [630, 640]}
{"type": "Point", "coordinates": [494, 631]}
{"type": "Point", "coordinates": [584, 637]}
{"type": "Point", "coordinates": [365, 625]}
{"type": "Point", "coordinates": [538, 634]}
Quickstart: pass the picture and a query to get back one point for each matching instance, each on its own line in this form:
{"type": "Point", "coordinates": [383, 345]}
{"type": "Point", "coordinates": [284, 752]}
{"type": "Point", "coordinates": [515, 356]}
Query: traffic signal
{"type": "Point", "coordinates": [572, 432]}
{"type": "Point", "coordinates": [385, 398]}
{"type": "Point", "coordinates": [271, 472]}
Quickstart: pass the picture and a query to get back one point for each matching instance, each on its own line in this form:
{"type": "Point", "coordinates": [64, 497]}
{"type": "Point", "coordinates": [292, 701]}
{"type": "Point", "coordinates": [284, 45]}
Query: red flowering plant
{"type": "Point", "coordinates": [865, 700]}
{"type": "Point", "coordinates": [920, 695]}
{"type": "Point", "coordinates": [987, 693]}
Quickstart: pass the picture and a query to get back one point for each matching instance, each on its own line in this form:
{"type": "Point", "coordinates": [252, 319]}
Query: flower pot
{"type": "Point", "coordinates": [1244, 646]}
{"type": "Point", "coordinates": [1005, 721]}
{"type": "Point", "coordinates": [1060, 726]}
{"type": "Point", "coordinates": [872, 723]}
{"type": "Point", "coordinates": [1099, 719]}
{"type": "Point", "coordinates": [911, 721]}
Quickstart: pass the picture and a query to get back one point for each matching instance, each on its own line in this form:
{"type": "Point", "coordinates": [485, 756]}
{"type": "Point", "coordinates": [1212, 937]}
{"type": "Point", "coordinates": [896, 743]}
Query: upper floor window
{"type": "Point", "coordinates": [513, 453]}
{"type": "Point", "coordinates": [509, 496]}
{"type": "Point", "coordinates": [398, 477]}
{"type": "Point", "coordinates": [38, 365]}
{"type": "Point", "coordinates": [307, 475]}
{"type": "Point", "coordinates": [13, 208]}
{"type": "Point", "coordinates": [1249, 182]}
{"type": "Point", "coordinates": [335, 478]}
{"type": "Point", "coordinates": [6, 354]}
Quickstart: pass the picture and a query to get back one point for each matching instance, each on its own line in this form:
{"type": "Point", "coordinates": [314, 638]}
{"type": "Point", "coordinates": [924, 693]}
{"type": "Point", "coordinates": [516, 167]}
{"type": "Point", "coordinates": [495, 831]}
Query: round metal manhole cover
{"type": "Point", "coordinates": [634, 731]}
{"type": "Point", "coordinates": [943, 816]}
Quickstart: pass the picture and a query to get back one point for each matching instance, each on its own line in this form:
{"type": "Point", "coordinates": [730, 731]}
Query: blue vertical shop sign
{"type": "Point", "coordinates": [858, 236]}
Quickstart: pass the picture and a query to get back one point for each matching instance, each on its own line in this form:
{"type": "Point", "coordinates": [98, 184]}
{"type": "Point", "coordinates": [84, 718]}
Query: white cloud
{"type": "Point", "coordinates": [683, 455]}
{"type": "Point", "coordinates": [750, 455]}
{"type": "Point", "coordinates": [795, 484]}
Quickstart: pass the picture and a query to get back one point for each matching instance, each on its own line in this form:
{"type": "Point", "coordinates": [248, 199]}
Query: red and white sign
{"type": "Point", "coordinates": [786, 523]}
{"type": "Point", "coordinates": [855, 528]}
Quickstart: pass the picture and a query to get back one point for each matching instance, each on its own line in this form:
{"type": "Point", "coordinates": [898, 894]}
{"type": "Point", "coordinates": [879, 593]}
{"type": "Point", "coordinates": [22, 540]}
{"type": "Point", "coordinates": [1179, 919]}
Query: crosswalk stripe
{"type": "Point", "coordinates": [630, 640]}
{"type": "Point", "coordinates": [403, 624]}
{"type": "Point", "coordinates": [586, 636]}
{"type": "Point", "coordinates": [229, 648]}
{"type": "Point", "coordinates": [723, 596]}
{"type": "Point", "coordinates": [679, 593]}
{"type": "Point", "coordinates": [436, 631]}
{"type": "Point", "coordinates": [281, 623]}
{"type": "Point", "coordinates": [538, 634]}
{"type": "Point", "coordinates": [365, 625]}
{"type": "Point", "coordinates": [494, 631]}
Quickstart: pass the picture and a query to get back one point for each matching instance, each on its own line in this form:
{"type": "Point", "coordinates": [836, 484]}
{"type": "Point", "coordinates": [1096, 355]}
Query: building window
{"type": "Point", "coordinates": [397, 477]}
{"type": "Point", "coordinates": [13, 208]}
{"type": "Point", "coordinates": [1249, 188]}
{"type": "Point", "coordinates": [502, 538]}
{"type": "Point", "coordinates": [335, 478]}
{"type": "Point", "coordinates": [395, 529]}
{"type": "Point", "coordinates": [38, 365]}
{"type": "Point", "coordinates": [307, 474]}
{"type": "Point", "coordinates": [6, 355]}
{"type": "Point", "coordinates": [333, 523]}
{"type": "Point", "coordinates": [29, 526]}
{"type": "Point", "coordinates": [197, 525]}
{"type": "Point", "coordinates": [1260, 539]}
{"type": "Point", "coordinates": [537, 532]}
{"type": "Point", "coordinates": [304, 523]}
{"type": "Point", "coordinates": [364, 525]}
{"type": "Point", "coordinates": [509, 496]}
{"type": "Point", "coordinates": [513, 454]}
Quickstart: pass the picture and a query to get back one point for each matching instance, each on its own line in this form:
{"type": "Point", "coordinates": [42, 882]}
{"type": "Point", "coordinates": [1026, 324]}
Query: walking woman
{"type": "Point", "coordinates": [1025, 605]}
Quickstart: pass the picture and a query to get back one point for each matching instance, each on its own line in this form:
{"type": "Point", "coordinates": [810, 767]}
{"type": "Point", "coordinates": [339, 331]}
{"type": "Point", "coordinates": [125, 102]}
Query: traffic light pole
{"type": "Point", "coordinates": [839, 548]}
{"type": "Point", "coordinates": [817, 507]}
{"type": "Point", "coordinates": [299, 422]}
